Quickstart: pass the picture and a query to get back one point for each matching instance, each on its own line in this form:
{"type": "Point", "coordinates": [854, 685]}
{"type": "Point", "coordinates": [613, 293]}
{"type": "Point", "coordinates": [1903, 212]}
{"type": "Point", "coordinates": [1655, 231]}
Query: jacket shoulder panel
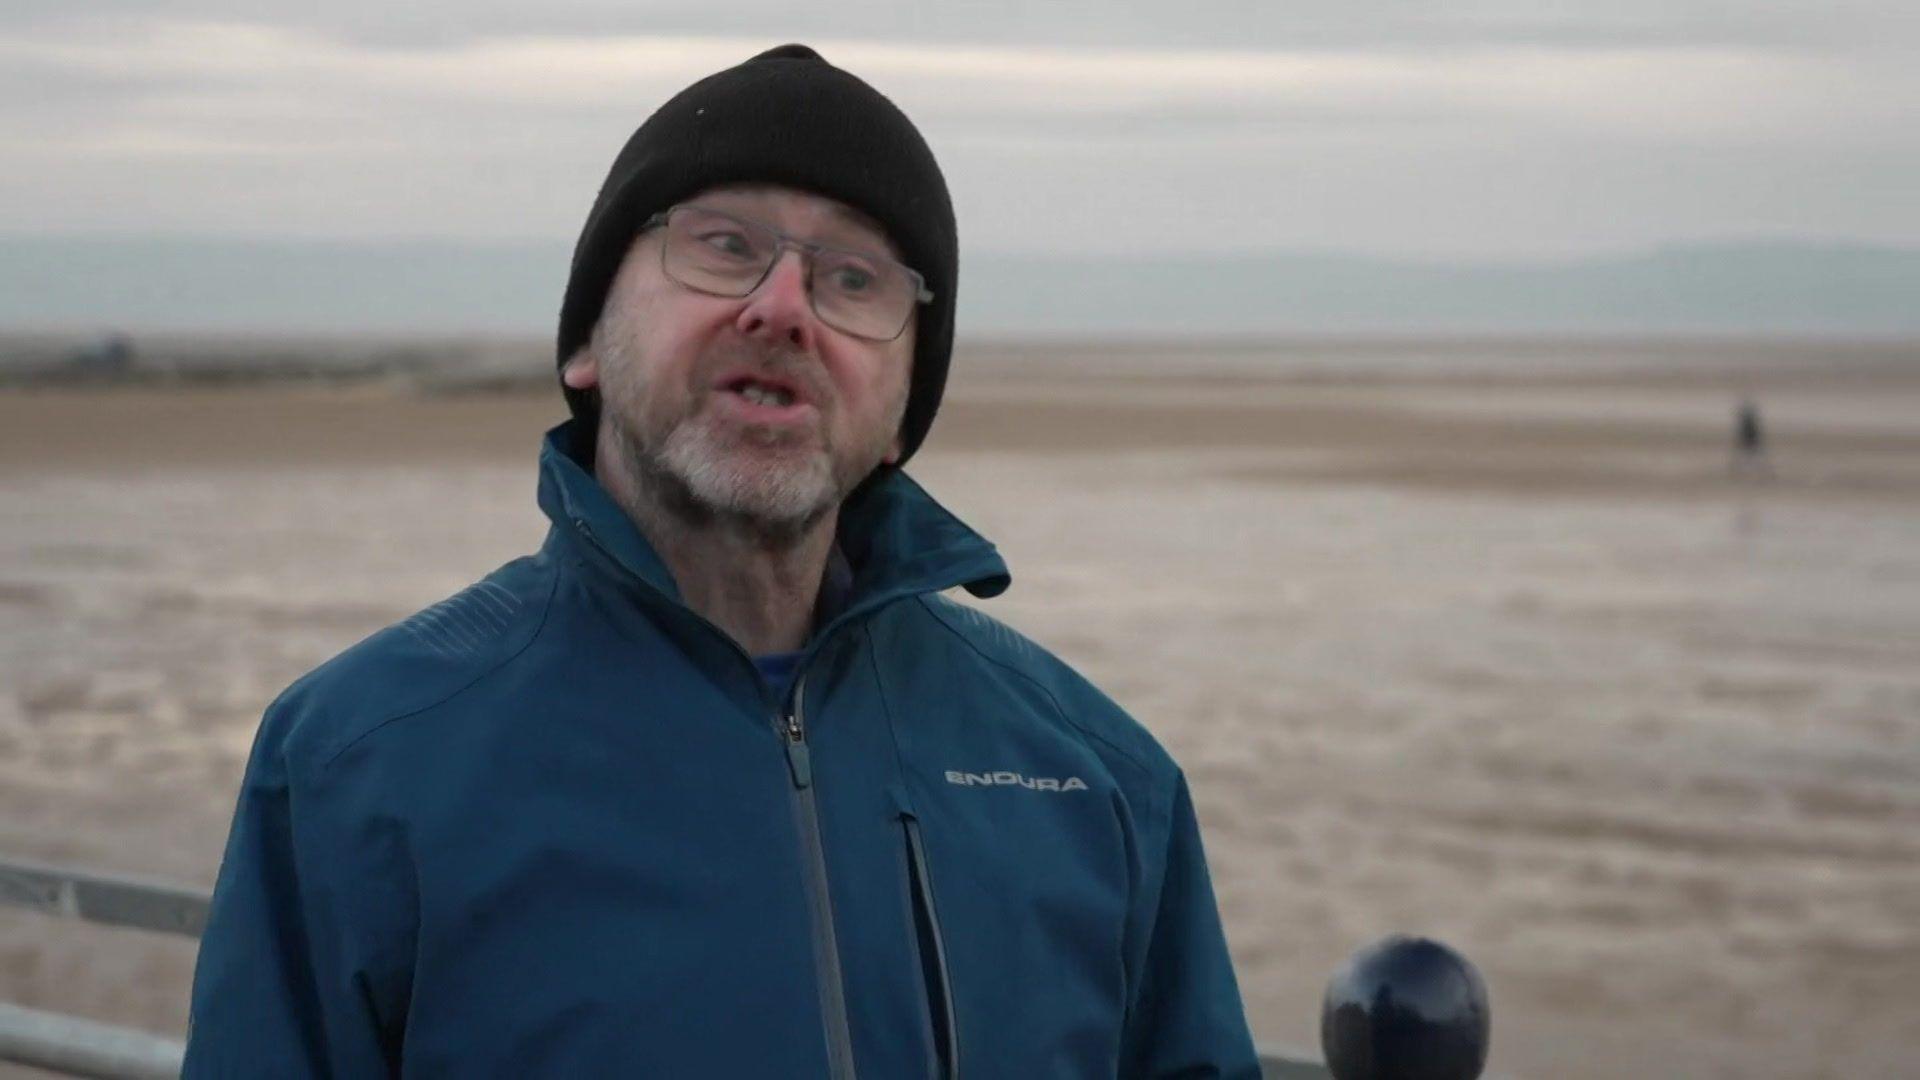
{"type": "Point", "coordinates": [418, 663]}
{"type": "Point", "coordinates": [1098, 719]}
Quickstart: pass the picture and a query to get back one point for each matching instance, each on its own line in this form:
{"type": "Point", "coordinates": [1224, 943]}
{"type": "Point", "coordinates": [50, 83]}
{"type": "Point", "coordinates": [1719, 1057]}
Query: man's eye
{"type": "Point", "coordinates": [728, 243]}
{"type": "Point", "coordinates": [852, 279]}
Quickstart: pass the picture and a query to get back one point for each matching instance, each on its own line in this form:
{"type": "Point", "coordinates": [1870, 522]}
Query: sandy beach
{"type": "Point", "coordinates": [1449, 642]}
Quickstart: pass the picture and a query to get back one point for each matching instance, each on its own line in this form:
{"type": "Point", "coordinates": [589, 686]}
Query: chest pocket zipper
{"type": "Point", "coordinates": [933, 954]}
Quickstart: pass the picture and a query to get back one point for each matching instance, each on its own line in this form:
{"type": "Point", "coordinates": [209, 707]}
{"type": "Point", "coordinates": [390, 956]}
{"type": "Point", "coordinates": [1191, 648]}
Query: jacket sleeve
{"type": "Point", "coordinates": [1187, 1020]}
{"type": "Point", "coordinates": [268, 998]}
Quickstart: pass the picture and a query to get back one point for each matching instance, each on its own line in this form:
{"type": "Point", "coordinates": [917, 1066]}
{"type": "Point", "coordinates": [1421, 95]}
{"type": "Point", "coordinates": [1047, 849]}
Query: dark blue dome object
{"type": "Point", "coordinates": [1405, 1008]}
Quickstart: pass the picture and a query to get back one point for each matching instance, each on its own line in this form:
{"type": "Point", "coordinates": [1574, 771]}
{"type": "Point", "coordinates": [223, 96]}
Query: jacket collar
{"type": "Point", "coordinates": [897, 540]}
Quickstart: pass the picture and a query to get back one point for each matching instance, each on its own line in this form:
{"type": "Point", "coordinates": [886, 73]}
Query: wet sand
{"type": "Point", "coordinates": [1498, 655]}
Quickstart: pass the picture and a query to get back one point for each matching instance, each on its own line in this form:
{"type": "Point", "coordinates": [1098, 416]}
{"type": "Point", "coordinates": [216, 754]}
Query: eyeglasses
{"type": "Point", "coordinates": [855, 292]}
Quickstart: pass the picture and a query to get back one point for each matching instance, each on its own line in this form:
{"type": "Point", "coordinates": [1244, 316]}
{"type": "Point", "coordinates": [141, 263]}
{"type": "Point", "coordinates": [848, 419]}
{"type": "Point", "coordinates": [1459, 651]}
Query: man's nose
{"type": "Point", "coordinates": [779, 309]}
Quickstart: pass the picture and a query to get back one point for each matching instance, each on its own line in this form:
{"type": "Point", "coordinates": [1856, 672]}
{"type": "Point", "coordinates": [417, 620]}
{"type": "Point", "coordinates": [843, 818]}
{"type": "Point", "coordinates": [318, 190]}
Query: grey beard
{"type": "Point", "coordinates": [687, 472]}
{"type": "Point", "coordinates": [702, 488]}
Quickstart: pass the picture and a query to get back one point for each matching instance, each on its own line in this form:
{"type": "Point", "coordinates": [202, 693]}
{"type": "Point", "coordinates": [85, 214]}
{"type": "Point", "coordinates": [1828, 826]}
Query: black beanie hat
{"type": "Point", "coordinates": [784, 117]}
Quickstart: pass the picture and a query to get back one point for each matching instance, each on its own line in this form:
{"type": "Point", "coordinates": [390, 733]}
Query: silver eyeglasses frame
{"type": "Point", "coordinates": [809, 250]}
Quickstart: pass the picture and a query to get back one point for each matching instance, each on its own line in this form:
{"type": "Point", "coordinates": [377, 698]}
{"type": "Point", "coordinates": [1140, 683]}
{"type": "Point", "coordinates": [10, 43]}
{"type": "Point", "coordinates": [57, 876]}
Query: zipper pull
{"type": "Point", "coordinates": [799, 763]}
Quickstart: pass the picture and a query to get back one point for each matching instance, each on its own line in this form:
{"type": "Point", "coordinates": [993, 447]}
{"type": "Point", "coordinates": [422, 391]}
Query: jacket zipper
{"type": "Point", "coordinates": [933, 954]}
{"type": "Point", "coordinates": [826, 949]}
{"type": "Point", "coordinates": [790, 728]}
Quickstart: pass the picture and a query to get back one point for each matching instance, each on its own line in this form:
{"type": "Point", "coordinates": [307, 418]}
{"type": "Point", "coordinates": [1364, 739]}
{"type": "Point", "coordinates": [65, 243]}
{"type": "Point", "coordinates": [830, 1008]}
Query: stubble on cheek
{"type": "Point", "coordinates": [644, 404]}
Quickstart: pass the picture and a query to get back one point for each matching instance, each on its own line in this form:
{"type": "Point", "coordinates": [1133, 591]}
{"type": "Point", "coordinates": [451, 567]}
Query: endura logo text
{"type": "Point", "coordinates": [1037, 783]}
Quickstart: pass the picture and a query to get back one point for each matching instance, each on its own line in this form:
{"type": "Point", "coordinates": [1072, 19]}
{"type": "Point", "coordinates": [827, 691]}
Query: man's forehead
{"type": "Point", "coordinates": [765, 197]}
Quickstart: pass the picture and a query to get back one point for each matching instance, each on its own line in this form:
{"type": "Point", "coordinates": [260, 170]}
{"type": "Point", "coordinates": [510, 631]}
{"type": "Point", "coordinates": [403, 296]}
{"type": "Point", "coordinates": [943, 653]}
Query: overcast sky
{"type": "Point", "coordinates": [1501, 129]}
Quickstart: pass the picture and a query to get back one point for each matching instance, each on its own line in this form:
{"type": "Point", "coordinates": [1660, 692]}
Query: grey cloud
{"type": "Point", "coordinates": [46, 101]}
{"type": "Point", "coordinates": [360, 147]}
{"type": "Point", "coordinates": [1179, 125]}
{"type": "Point", "coordinates": [1231, 24]}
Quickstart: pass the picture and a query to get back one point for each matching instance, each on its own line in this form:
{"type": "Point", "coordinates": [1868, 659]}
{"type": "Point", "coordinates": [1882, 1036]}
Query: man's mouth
{"type": "Point", "coordinates": [765, 391]}
{"type": "Point", "coordinates": [762, 398]}
{"type": "Point", "coordinates": [761, 393]}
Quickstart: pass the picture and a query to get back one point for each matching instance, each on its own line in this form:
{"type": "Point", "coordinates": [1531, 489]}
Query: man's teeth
{"type": "Point", "coordinates": [765, 395]}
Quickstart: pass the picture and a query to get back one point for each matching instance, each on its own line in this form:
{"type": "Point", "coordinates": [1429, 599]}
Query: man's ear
{"type": "Point", "coordinates": [582, 371]}
{"type": "Point", "coordinates": [893, 452]}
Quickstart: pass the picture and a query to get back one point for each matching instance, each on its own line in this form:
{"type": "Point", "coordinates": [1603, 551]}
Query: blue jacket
{"type": "Point", "coordinates": [558, 826]}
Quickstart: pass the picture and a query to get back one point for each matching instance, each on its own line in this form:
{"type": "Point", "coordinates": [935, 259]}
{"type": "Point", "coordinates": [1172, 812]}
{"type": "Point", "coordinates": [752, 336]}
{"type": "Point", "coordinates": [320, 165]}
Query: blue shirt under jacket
{"type": "Point", "coordinates": [558, 826]}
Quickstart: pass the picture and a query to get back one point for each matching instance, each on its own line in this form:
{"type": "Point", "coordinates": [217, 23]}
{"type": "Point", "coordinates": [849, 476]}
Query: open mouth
{"type": "Point", "coordinates": [762, 394]}
{"type": "Point", "coordinates": [762, 391]}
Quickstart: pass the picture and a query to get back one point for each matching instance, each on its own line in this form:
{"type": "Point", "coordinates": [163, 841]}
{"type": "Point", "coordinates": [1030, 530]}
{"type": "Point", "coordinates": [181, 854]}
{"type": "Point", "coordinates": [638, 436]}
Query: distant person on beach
{"type": "Point", "coordinates": [718, 783]}
{"type": "Point", "coordinates": [1749, 441]}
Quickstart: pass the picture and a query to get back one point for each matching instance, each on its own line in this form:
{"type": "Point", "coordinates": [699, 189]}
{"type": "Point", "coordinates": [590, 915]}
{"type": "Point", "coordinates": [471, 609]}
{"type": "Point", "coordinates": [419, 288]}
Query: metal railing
{"type": "Point", "coordinates": [71, 1044]}
{"type": "Point", "coordinates": [111, 900]}
{"type": "Point", "coordinates": [78, 1047]}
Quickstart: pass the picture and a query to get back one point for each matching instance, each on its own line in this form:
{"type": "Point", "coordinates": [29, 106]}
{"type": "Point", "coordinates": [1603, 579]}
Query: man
{"type": "Point", "coordinates": [1749, 442]}
{"type": "Point", "coordinates": [717, 784]}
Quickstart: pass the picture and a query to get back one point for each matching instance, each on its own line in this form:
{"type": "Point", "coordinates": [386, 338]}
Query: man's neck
{"type": "Point", "coordinates": [760, 587]}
